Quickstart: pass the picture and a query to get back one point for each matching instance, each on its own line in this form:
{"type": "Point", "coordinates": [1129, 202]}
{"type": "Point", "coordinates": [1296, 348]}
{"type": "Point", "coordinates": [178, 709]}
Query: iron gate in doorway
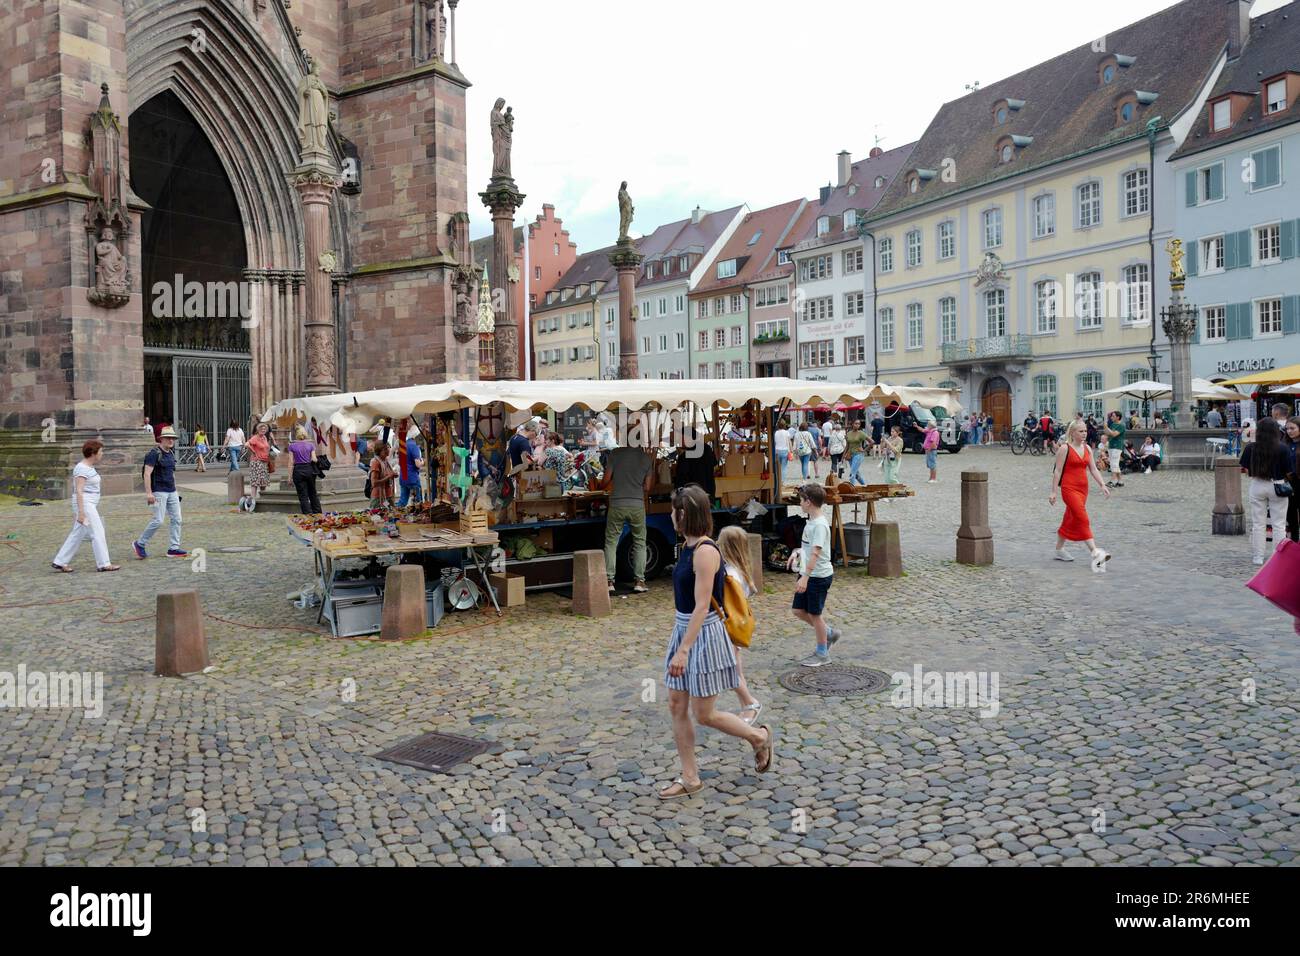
{"type": "Point", "coordinates": [211, 392]}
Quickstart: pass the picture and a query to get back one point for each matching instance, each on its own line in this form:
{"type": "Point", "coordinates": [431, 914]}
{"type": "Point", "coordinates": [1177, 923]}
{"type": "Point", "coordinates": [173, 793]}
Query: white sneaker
{"type": "Point", "coordinates": [1147, 472]}
{"type": "Point", "coordinates": [1099, 559]}
{"type": "Point", "coordinates": [1063, 555]}
{"type": "Point", "coordinates": [932, 481]}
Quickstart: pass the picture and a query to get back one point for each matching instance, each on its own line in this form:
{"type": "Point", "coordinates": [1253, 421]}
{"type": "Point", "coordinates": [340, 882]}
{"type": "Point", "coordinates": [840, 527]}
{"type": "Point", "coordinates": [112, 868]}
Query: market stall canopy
{"type": "Point", "coordinates": [1286, 390]}
{"type": "Point", "coordinates": [1276, 376]}
{"type": "Point", "coordinates": [356, 410]}
{"type": "Point", "coordinates": [1145, 390]}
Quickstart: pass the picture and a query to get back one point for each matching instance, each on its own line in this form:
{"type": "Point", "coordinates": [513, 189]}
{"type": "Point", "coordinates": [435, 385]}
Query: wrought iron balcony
{"type": "Point", "coordinates": [979, 350]}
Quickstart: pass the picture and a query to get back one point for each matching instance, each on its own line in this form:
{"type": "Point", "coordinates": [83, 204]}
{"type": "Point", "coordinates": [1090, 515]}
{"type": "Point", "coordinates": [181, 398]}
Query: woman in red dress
{"type": "Point", "coordinates": [1073, 467]}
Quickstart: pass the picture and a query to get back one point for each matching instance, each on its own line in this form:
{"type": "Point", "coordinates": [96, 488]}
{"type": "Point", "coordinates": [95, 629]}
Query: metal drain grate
{"type": "Point", "coordinates": [1202, 833]}
{"type": "Point", "coordinates": [835, 680]}
{"type": "Point", "coordinates": [1153, 501]}
{"type": "Point", "coordinates": [237, 549]}
{"type": "Point", "coordinates": [435, 752]}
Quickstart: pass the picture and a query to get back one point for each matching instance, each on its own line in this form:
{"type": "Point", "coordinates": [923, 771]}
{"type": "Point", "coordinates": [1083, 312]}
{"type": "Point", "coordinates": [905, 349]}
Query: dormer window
{"type": "Point", "coordinates": [1007, 153]}
{"type": "Point", "coordinates": [649, 270]}
{"type": "Point", "coordinates": [1275, 96]}
{"type": "Point", "coordinates": [1220, 116]}
{"type": "Point", "coordinates": [1003, 109]}
{"type": "Point", "coordinates": [727, 269]}
{"type": "Point", "coordinates": [1110, 66]}
{"type": "Point", "coordinates": [1108, 73]}
{"type": "Point", "coordinates": [913, 183]}
{"type": "Point", "coordinates": [823, 225]}
{"type": "Point", "coordinates": [850, 218]}
{"type": "Point", "coordinates": [683, 263]}
{"type": "Point", "coordinates": [1126, 109]}
{"type": "Point", "coordinates": [667, 266]}
{"type": "Point", "coordinates": [880, 182]}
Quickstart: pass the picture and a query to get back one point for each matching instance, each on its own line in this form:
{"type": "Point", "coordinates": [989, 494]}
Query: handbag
{"type": "Point", "coordinates": [1276, 580]}
{"type": "Point", "coordinates": [1283, 488]}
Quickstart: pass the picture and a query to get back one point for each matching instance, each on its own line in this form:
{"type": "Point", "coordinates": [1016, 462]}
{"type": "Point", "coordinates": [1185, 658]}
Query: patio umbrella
{"type": "Point", "coordinates": [1276, 376]}
{"type": "Point", "coordinates": [1144, 390]}
{"type": "Point", "coordinates": [1205, 390]}
{"type": "Point", "coordinates": [1285, 390]}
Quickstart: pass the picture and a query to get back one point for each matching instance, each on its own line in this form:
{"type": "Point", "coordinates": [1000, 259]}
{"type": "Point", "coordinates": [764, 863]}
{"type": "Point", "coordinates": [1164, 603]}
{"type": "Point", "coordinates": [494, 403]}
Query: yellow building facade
{"type": "Point", "coordinates": [1030, 293]}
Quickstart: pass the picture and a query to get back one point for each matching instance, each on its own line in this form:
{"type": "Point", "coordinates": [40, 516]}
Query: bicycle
{"type": "Point", "coordinates": [1018, 440]}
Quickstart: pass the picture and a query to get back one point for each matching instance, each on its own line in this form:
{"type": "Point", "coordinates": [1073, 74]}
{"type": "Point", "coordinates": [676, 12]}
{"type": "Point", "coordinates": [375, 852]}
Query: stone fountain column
{"type": "Point", "coordinates": [627, 261]}
{"type": "Point", "coordinates": [1179, 323]}
{"type": "Point", "coordinates": [503, 199]}
{"type": "Point", "coordinates": [316, 187]}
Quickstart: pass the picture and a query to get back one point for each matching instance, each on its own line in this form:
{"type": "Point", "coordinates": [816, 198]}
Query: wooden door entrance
{"type": "Point", "coordinates": [995, 400]}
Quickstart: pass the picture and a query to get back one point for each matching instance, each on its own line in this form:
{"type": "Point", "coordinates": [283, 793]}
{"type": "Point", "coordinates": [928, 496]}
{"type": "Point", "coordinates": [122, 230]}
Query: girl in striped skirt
{"type": "Point", "coordinates": [700, 662]}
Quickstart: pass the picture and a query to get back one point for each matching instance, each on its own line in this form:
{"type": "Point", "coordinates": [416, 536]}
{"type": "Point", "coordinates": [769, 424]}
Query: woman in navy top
{"type": "Point", "coordinates": [700, 662]}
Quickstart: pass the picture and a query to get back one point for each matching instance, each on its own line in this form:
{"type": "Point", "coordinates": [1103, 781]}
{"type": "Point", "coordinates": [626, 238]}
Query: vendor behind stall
{"type": "Point", "coordinates": [520, 448]}
{"type": "Point", "coordinates": [696, 462]}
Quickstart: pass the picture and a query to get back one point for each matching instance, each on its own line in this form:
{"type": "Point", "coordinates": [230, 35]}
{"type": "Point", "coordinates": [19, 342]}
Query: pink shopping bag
{"type": "Point", "coordinates": [1279, 579]}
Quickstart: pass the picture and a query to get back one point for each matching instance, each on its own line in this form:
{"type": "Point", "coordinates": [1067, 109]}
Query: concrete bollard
{"type": "Point", "coordinates": [404, 610]}
{"type": "Point", "coordinates": [974, 536]}
{"type": "Point", "coordinates": [1228, 516]}
{"type": "Point", "coordinates": [234, 487]}
{"type": "Point", "coordinates": [886, 557]}
{"type": "Point", "coordinates": [590, 587]}
{"type": "Point", "coordinates": [756, 558]}
{"type": "Point", "coordinates": [180, 644]}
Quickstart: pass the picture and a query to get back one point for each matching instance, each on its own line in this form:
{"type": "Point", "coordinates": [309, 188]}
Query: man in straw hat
{"type": "Point", "coordinates": [160, 492]}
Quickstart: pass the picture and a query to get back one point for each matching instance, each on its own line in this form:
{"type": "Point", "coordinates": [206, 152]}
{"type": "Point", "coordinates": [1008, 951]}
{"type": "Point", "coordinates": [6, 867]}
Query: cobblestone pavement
{"type": "Point", "coordinates": [1122, 735]}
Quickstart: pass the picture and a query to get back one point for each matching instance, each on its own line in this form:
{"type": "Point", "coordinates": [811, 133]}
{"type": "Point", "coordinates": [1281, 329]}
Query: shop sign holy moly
{"type": "Point", "coordinates": [1248, 365]}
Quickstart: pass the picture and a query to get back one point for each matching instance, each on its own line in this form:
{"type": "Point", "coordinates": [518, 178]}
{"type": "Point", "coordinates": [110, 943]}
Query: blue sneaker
{"type": "Point", "coordinates": [177, 553]}
{"type": "Point", "coordinates": [139, 550]}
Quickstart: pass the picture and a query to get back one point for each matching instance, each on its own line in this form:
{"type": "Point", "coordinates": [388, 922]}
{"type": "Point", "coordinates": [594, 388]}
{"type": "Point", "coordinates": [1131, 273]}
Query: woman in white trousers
{"type": "Point", "coordinates": [86, 522]}
{"type": "Point", "coordinates": [1268, 460]}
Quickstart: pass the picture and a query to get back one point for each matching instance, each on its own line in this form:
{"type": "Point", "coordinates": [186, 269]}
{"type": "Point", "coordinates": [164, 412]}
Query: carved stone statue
{"type": "Point", "coordinates": [990, 270]}
{"type": "Point", "coordinates": [465, 314]}
{"type": "Point", "coordinates": [1175, 249]}
{"type": "Point", "coordinates": [111, 277]}
{"type": "Point", "coordinates": [625, 212]}
{"type": "Point", "coordinates": [313, 114]}
{"type": "Point", "coordinates": [503, 130]}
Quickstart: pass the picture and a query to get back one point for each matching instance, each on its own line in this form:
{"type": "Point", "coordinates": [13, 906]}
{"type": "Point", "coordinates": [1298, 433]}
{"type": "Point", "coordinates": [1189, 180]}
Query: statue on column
{"type": "Point", "coordinates": [313, 114]}
{"type": "Point", "coordinates": [503, 130]}
{"type": "Point", "coordinates": [1177, 272]}
{"type": "Point", "coordinates": [625, 212]}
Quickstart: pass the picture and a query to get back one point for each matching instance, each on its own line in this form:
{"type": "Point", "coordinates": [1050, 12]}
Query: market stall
{"type": "Point", "coordinates": [538, 520]}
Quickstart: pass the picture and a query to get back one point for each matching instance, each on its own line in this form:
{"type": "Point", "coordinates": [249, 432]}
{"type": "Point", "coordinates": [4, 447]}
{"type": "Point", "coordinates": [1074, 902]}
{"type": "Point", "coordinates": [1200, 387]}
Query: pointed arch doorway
{"type": "Point", "coordinates": [193, 255]}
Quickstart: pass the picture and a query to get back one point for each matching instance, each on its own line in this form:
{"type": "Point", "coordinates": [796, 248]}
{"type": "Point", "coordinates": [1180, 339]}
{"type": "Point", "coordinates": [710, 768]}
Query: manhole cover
{"type": "Point", "coordinates": [835, 680]}
{"type": "Point", "coordinates": [436, 752]}
{"type": "Point", "coordinates": [1201, 834]}
{"type": "Point", "coordinates": [237, 549]}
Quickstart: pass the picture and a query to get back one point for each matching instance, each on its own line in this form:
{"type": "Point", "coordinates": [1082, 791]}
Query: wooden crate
{"type": "Point", "coordinates": [473, 522]}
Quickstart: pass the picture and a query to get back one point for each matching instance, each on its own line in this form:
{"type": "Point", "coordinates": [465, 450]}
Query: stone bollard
{"type": "Point", "coordinates": [886, 557]}
{"type": "Point", "coordinates": [756, 558]}
{"type": "Point", "coordinates": [1228, 516]}
{"type": "Point", "coordinates": [974, 537]}
{"type": "Point", "coordinates": [234, 487]}
{"type": "Point", "coordinates": [404, 610]}
{"type": "Point", "coordinates": [590, 587]}
{"type": "Point", "coordinates": [180, 644]}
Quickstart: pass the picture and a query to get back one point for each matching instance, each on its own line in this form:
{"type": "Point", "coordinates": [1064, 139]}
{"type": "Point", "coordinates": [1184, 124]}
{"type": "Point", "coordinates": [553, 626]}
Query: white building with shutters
{"type": "Point", "coordinates": [1238, 207]}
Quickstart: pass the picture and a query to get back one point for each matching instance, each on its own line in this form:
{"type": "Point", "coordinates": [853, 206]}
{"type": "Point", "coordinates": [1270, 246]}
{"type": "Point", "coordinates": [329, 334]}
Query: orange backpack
{"type": "Point", "coordinates": [737, 616]}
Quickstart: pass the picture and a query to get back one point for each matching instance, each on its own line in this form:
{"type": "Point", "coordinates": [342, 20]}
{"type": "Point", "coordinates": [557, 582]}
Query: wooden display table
{"type": "Point", "coordinates": [868, 494]}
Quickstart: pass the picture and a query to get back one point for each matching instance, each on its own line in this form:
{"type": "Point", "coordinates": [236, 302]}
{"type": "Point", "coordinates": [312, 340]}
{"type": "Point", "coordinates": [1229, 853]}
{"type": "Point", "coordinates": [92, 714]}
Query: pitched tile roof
{"type": "Point", "coordinates": [587, 268]}
{"type": "Point", "coordinates": [1273, 48]}
{"type": "Point", "coordinates": [1066, 109]}
{"type": "Point", "coordinates": [859, 192]}
{"type": "Point", "coordinates": [682, 237]}
{"type": "Point", "coordinates": [764, 228]}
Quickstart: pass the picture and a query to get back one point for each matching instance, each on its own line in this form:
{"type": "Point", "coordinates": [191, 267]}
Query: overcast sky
{"type": "Point", "coordinates": [717, 102]}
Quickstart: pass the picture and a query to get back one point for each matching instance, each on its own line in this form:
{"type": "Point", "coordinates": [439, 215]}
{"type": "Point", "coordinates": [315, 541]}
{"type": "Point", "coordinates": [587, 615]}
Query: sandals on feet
{"type": "Point", "coordinates": [110, 567]}
{"type": "Point", "coordinates": [757, 709]}
{"type": "Point", "coordinates": [62, 567]}
{"type": "Point", "coordinates": [764, 755]}
{"type": "Point", "coordinates": [679, 788]}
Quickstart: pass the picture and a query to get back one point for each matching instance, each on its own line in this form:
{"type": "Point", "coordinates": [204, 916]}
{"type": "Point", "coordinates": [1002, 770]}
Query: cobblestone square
{"type": "Point", "coordinates": [1147, 716]}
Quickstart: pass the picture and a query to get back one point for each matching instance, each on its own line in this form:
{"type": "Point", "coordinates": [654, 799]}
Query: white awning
{"type": "Point", "coordinates": [358, 409]}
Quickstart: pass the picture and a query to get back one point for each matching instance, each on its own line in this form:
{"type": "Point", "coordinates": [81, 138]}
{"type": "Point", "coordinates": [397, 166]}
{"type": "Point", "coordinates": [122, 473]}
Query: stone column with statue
{"type": "Point", "coordinates": [1179, 323]}
{"type": "Point", "coordinates": [627, 262]}
{"type": "Point", "coordinates": [316, 180]}
{"type": "Point", "coordinates": [503, 198]}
